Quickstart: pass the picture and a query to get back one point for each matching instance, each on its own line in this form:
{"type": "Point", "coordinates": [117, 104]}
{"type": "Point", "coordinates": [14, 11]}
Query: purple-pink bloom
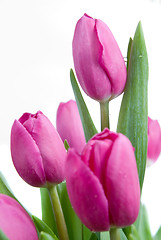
{"type": "Point", "coordinates": [69, 125]}
{"type": "Point", "coordinates": [98, 61]}
{"type": "Point", "coordinates": [102, 182]}
{"type": "Point", "coordinates": [15, 222]}
{"type": "Point", "coordinates": [37, 150]}
{"type": "Point", "coordinates": [154, 140]}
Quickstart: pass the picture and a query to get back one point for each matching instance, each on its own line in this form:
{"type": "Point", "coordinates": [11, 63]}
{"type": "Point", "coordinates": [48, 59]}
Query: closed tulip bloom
{"type": "Point", "coordinates": [98, 61]}
{"type": "Point", "coordinates": [154, 140]}
{"type": "Point", "coordinates": [69, 125]}
{"type": "Point", "coordinates": [15, 223]}
{"type": "Point", "coordinates": [102, 182]}
{"type": "Point", "coordinates": [37, 150]}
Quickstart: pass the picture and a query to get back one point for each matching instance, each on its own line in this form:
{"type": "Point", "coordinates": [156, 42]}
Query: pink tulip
{"type": "Point", "coordinates": [69, 125]}
{"type": "Point", "coordinates": [98, 61]}
{"type": "Point", "coordinates": [37, 150]}
{"type": "Point", "coordinates": [15, 223]}
{"type": "Point", "coordinates": [102, 182]}
{"type": "Point", "coordinates": [154, 140]}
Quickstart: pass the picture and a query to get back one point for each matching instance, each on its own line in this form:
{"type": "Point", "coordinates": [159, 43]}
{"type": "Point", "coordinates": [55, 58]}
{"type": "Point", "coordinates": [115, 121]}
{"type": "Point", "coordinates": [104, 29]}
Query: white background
{"type": "Point", "coordinates": [35, 60]}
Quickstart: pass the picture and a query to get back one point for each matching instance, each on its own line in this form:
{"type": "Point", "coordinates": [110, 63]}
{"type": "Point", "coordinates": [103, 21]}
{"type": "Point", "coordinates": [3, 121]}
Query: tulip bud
{"type": "Point", "coordinates": [37, 150]}
{"type": "Point", "coordinates": [15, 223]}
{"type": "Point", "coordinates": [154, 140]}
{"type": "Point", "coordinates": [69, 125]}
{"type": "Point", "coordinates": [98, 61]}
{"type": "Point", "coordinates": [102, 182]}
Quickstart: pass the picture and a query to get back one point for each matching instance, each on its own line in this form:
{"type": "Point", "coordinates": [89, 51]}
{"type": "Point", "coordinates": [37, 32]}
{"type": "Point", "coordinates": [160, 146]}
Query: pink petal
{"type": "Point", "coordinates": [122, 184]}
{"type": "Point", "coordinates": [87, 52]}
{"type": "Point", "coordinates": [86, 194]}
{"type": "Point", "coordinates": [111, 60]}
{"type": "Point", "coordinates": [69, 125]}
{"type": "Point", "coordinates": [51, 148]}
{"type": "Point", "coordinates": [26, 156]}
{"type": "Point", "coordinates": [154, 140]}
{"type": "Point", "coordinates": [14, 220]}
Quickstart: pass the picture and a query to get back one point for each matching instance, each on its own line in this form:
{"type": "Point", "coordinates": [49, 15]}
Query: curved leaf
{"type": "Point", "coordinates": [46, 236]}
{"type": "Point", "coordinates": [43, 227]}
{"type": "Point", "coordinates": [88, 125]}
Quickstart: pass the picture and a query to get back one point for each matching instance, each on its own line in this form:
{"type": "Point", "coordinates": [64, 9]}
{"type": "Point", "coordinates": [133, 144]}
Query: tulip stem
{"type": "Point", "coordinates": [115, 234]}
{"type": "Point", "coordinates": [104, 107]}
{"type": "Point", "coordinates": [59, 217]}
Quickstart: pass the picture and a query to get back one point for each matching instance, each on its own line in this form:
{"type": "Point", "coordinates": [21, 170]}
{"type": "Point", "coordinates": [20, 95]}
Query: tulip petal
{"type": "Point", "coordinates": [154, 140]}
{"type": "Point", "coordinates": [26, 156]}
{"type": "Point", "coordinates": [51, 148]}
{"type": "Point", "coordinates": [122, 183]}
{"type": "Point", "coordinates": [111, 59]}
{"type": "Point", "coordinates": [69, 125]}
{"type": "Point", "coordinates": [14, 220]}
{"type": "Point", "coordinates": [95, 155]}
{"type": "Point", "coordinates": [86, 194]}
{"type": "Point", "coordinates": [86, 54]}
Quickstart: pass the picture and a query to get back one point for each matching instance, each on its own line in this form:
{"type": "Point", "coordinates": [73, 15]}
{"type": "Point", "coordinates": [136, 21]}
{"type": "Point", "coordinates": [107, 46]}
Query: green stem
{"type": "Point", "coordinates": [104, 107]}
{"type": "Point", "coordinates": [59, 217]}
{"type": "Point", "coordinates": [115, 234]}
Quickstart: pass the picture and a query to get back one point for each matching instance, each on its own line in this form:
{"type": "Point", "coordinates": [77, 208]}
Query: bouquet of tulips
{"type": "Point", "coordinates": [90, 181]}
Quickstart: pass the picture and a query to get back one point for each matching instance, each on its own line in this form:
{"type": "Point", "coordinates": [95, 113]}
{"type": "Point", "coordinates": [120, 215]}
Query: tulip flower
{"type": "Point", "coordinates": [37, 150]}
{"type": "Point", "coordinates": [15, 223]}
{"type": "Point", "coordinates": [102, 182]}
{"type": "Point", "coordinates": [154, 140]}
{"type": "Point", "coordinates": [69, 125]}
{"type": "Point", "coordinates": [98, 61]}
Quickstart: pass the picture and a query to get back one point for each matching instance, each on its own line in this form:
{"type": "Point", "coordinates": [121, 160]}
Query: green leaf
{"type": "Point", "coordinates": [133, 114]}
{"type": "Point", "coordinates": [43, 227]}
{"type": "Point", "coordinates": [129, 52]}
{"type": "Point", "coordinates": [46, 236]}
{"type": "Point", "coordinates": [73, 223]}
{"type": "Point", "coordinates": [134, 235]}
{"type": "Point", "coordinates": [157, 235]}
{"type": "Point", "coordinates": [86, 232]}
{"type": "Point", "coordinates": [3, 236]}
{"type": "Point", "coordinates": [142, 224]}
{"type": "Point", "coordinates": [122, 235]}
{"type": "Point", "coordinates": [66, 145]}
{"type": "Point", "coordinates": [4, 188]}
{"type": "Point", "coordinates": [93, 237]}
{"type": "Point", "coordinates": [88, 125]}
{"type": "Point", "coordinates": [47, 210]}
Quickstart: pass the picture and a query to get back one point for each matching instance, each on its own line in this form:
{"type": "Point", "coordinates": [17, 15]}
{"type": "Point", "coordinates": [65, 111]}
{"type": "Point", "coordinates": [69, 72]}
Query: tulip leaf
{"type": "Point", "coordinates": [47, 210]}
{"type": "Point", "coordinates": [46, 236]}
{"type": "Point", "coordinates": [3, 236]}
{"type": "Point", "coordinates": [134, 235]}
{"type": "Point", "coordinates": [73, 223]}
{"type": "Point", "coordinates": [86, 233]}
{"type": "Point", "coordinates": [157, 235]}
{"type": "Point", "coordinates": [93, 237]}
{"type": "Point", "coordinates": [66, 145]}
{"type": "Point", "coordinates": [4, 188]}
{"type": "Point", "coordinates": [142, 224]}
{"type": "Point", "coordinates": [129, 51]}
{"type": "Point", "coordinates": [133, 114]}
{"type": "Point", "coordinates": [88, 125]}
{"type": "Point", "coordinates": [122, 235]}
{"type": "Point", "coordinates": [43, 227]}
